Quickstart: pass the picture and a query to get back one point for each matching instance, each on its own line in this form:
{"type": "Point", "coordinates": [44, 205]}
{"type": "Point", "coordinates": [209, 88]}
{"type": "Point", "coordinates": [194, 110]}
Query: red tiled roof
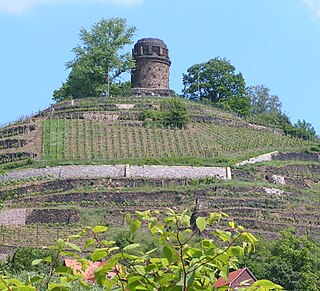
{"type": "Point", "coordinates": [231, 277]}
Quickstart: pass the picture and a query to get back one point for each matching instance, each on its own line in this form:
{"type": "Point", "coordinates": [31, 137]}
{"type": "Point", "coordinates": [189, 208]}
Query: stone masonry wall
{"type": "Point", "coordinates": [13, 217]}
{"type": "Point", "coordinates": [151, 74]}
{"type": "Point", "coordinates": [175, 172]}
{"type": "Point", "coordinates": [61, 216]}
{"type": "Point", "coordinates": [116, 171]}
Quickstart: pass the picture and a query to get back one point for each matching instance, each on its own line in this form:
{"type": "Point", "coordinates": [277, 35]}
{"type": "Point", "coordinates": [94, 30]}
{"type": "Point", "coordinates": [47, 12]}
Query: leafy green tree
{"type": "Point", "coordinates": [173, 113]}
{"type": "Point", "coordinates": [262, 102]}
{"type": "Point", "coordinates": [272, 119]}
{"type": "Point", "coordinates": [217, 81]}
{"type": "Point", "coordinates": [301, 129]}
{"type": "Point", "coordinates": [99, 59]}
{"type": "Point", "coordinates": [291, 261]}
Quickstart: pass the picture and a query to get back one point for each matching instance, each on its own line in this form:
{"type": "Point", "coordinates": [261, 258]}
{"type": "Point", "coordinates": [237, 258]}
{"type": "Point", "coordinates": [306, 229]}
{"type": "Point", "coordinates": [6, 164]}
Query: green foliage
{"type": "Point", "coordinates": [124, 238]}
{"type": "Point", "coordinates": [291, 261]}
{"type": "Point", "coordinates": [173, 113]}
{"type": "Point", "coordinates": [238, 104]}
{"type": "Point", "coordinates": [301, 129]}
{"type": "Point", "coordinates": [270, 119]}
{"type": "Point", "coordinates": [262, 102]}
{"type": "Point", "coordinates": [120, 89]}
{"type": "Point", "coordinates": [217, 81]}
{"type": "Point", "coordinates": [98, 60]}
{"type": "Point", "coordinates": [22, 260]}
{"type": "Point", "coordinates": [16, 165]}
{"type": "Point", "coordinates": [180, 261]}
{"type": "Point", "coordinates": [315, 148]}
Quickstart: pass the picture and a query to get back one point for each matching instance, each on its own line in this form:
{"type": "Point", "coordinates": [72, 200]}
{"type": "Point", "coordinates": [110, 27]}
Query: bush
{"type": "Point", "coordinates": [22, 260]}
{"type": "Point", "coordinates": [173, 113]}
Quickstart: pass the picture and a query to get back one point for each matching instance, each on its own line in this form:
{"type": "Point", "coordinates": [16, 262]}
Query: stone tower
{"type": "Point", "coordinates": [151, 74]}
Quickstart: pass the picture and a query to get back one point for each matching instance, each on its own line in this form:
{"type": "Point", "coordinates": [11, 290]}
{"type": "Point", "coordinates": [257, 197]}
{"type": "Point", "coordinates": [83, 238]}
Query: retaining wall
{"type": "Point", "coordinates": [13, 217]}
{"type": "Point", "coordinates": [117, 171]}
{"type": "Point", "coordinates": [25, 216]}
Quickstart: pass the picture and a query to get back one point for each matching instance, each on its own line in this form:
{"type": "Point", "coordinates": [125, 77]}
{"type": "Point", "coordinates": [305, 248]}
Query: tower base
{"type": "Point", "coordinates": [151, 92]}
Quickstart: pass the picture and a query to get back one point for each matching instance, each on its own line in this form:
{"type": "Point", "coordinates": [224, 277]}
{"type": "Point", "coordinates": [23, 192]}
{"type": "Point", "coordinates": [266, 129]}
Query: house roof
{"type": "Point", "coordinates": [231, 277]}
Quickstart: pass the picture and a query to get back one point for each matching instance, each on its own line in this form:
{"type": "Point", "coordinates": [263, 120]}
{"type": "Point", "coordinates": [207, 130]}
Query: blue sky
{"type": "Point", "coordinates": [271, 42]}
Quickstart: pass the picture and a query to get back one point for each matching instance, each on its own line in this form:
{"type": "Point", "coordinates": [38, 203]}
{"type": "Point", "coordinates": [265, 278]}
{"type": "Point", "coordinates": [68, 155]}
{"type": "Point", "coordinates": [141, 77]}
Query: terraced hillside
{"type": "Point", "coordinates": [37, 208]}
{"type": "Point", "coordinates": [110, 130]}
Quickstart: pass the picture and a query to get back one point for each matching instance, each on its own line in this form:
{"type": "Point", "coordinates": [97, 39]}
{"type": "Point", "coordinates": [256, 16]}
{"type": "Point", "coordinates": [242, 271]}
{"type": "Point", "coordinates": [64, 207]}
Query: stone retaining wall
{"type": "Point", "coordinates": [60, 216]}
{"type": "Point", "coordinates": [13, 217]}
{"type": "Point", "coordinates": [25, 216]}
{"type": "Point", "coordinates": [303, 156]}
{"type": "Point", "coordinates": [175, 172]}
{"type": "Point", "coordinates": [261, 158]}
{"type": "Point", "coordinates": [117, 171]}
{"type": "Point", "coordinates": [310, 157]}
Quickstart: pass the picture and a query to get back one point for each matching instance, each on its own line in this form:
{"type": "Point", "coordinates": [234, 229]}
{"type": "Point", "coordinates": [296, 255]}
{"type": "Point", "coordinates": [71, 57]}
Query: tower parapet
{"type": "Point", "coordinates": [151, 74]}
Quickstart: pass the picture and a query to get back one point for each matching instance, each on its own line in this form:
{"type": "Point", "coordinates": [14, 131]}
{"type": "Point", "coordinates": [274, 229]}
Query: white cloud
{"type": "Point", "coordinates": [314, 7]}
{"type": "Point", "coordinates": [21, 6]}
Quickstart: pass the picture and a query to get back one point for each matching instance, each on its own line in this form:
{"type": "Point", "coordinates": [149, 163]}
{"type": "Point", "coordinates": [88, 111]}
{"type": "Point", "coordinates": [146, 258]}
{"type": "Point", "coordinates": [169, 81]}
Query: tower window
{"type": "Point", "coordinates": [156, 50]}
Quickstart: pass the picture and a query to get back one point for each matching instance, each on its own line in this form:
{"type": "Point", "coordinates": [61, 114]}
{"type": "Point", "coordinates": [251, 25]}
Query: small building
{"type": "Point", "coordinates": [236, 280]}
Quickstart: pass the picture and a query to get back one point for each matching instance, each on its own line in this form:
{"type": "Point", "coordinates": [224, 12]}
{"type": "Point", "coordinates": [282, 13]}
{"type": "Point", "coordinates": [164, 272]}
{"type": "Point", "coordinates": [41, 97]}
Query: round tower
{"type": "Point", "coordinates": [151, 74]}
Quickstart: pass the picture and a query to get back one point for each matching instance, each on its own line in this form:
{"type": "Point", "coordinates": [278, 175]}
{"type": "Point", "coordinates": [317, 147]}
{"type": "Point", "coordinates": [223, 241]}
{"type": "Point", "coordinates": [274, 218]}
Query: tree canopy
{"type": "Point", "coordinates": [301, 129]}
{"type": "Point", "coordinates": [99, 60]}
{"type": "Point", "coordinates": [217, 81]}
{"type": "Point", "coordinates": [262, 101]}
{"type": "Point", "coordinates": [173, 113]}
{"type": "Point", "coordinates": [291, 261]}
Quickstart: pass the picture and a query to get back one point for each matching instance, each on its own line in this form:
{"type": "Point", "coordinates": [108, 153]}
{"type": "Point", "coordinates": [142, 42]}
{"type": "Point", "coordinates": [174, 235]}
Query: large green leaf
{"type": "Point", "coordinates": [98, 254]}
{"type": "Point", "coordinates": [201, 223]}
{"type": "Point", "coordinates": [170, 253]}
{"type": "Point", "coordinates": [99, 228]}
{"type": "Point", "coordinates": [135, 226]}
{"type": "Point", "coordinates": [131, 247]}
{"type": "Point", "coordinates": [73, 246]}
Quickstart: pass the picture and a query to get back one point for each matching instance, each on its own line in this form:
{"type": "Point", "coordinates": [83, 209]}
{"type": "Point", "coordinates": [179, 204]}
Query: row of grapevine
{"type": "Point", "coordinates": [79, 139]}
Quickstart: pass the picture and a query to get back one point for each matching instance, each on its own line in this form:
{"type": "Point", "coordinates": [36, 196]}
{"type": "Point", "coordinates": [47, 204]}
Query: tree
{"type": "Point", "coordinates": [292, 261]}
{"type": "Point", "coordinates": [217, 81]}
{"type": "Point", "coordinates": [185, 261]}
{"type": "Point", "coordinates": [262, 101]}
{"type": "Point", "coordinates": [301, 129]}
{"type": "Point", "coordinates": [173, 113]}
{"type": "Point", "coordinates": [99, 60]}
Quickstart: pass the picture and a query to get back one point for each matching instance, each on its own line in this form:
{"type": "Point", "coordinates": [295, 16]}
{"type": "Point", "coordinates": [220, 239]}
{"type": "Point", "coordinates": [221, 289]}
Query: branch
{"type": "Point", "coordinates": [144, 276]}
